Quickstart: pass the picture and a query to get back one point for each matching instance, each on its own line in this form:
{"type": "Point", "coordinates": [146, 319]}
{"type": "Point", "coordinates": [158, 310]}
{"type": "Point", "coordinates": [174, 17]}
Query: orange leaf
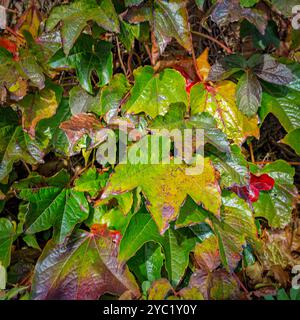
{"type": "Point", "coordinates": [203, 66]}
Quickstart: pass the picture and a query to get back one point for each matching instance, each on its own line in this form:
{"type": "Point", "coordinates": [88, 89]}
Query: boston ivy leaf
{"type": "Point", "coordinates": [87, 55]}
{"type": "Point", "coordinates": [176, 244]}
{"type": "Point", "coordinates": [248, 3]}
{"type": "Point", "coordinates": [248, 94]}
{"type": "Point", "coordinates": [236, 228]}
{"type": "Point", "coordinates": [277, 205]}
{"type": "Point", "coordinates": [228, 11]}
{"type": "Point", "coordinates": [272, 71]}
{"type": "Point", "coordinates": [7, 234]}
{"type": "Point", "coordinates": [232, 167]}
{"type": "Point", "coordinates": [53, 204]}
{"type": "Point", "coordinates": [292, 139]}
{"type": "Point", "coordinates": [153, 93]}
{"type": "Point", "coordinates": [15, 144]}
{"type": "Point", "coordinates": [165, 187]}
{"type": "Point", "coordinates": [147, 262]}
{"type": "Point", "coordinates": [37, 106]}
{"type": "Point", "coordinates": [220, 103]}
{"type": "Point", "coordinates": [84, 268]}
{"type": "Point", "coordinates": [75, 16]}
{"type": "Point", "coordinates": [175, 119]}
{"type": "Point", "coordinates": [171, 21]}
{"type": "Point", "coordinates": [130, 3]}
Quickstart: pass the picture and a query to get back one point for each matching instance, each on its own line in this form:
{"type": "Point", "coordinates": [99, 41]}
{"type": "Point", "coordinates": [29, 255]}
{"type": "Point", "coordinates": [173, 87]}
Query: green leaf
{"type": "Point", "coordinates": [175, 119]}
{"type": "Point", "coordinates": [84, 268]}
{"type": "Point", "coordinates": [222, 106]}
{"type": "Point", "coordinates": [87, 55]}
{"type": "Point", "coordinates": [248, 3]}
{"type": "Point", "coordinates": [200, 4]}
{"type": "Point", "coordinates": [165, 186]}
{"type": "Point", "coordinates": [292, 139]}
{"type": "Point", "coordinates": [147, 262]}
{"type": "Point", "coordinates": [248, 94]}
{"type": "Point", "coordinates": [171, 21]}
{"type": "Point", "coordinates": [130, 3]}
{"type": "Point", "coordinates": [76, 15]}
{"type": "Point", "coordinates": [277, 205]}
{"type": "Point", "coordinates": [15, 144]}
{"type": "Point", "coordinates": [284, 107]}
{"type": "Point", "coordinates": [153, 93]}
{"type": "Point", "coordinates": [52, 205]}
{"type": "Point", "coordinates": [7, 234]}
{"type": "Point", "coordinates": [90, 181]}
{"type": "Point", "coordinates": [176, 244]}
{"type": "Point", "coordinates": [236, 228]}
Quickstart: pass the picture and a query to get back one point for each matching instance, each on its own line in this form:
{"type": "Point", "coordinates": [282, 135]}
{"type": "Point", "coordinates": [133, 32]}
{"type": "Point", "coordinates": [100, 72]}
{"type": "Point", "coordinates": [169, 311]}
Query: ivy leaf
{"type": "Point", "coordinates": [272, 71]}
{"type": "Point", "coordinates": [248, 94]}
{"type": "Point", "coordinates": [292, 139]}
{"type": "Point", "coordinates": [236, 228]}
{"type": "Point", "coordinates": [165, 186]}
{"type": "Point", "coordinates": [7, 234]}
{"type": "Point", "coordinates": [228, 11]}
{"type": "Point", "coordinates": [36, 107]}
{"type": "Point", "coordinates": [219, 102]}
{"type": "Point", "coordinates": [277, 205]}
{"type": "Point", "coordinates": [54, 204]}
{"type": "Point", "coordinates": [84, 268]}
{"type": "Point", "coordinates": [175, 119]}
{"type": "Point", "coordinates": [130, 3]}
{"type": "Point", "coordinates": [159, 289]}
{"type": "Point", "coordinates": [153, 93]}
{"type": "Point", "coordinates": [176, 244]}
{"type": "Point", "coordinates": [248, 3]}
{"type": "Point", "coordinates": [147, 262]}
{"type": "Point", "coordinates": [86, 56]}
{"type": "Point", "coordinates": [76, 15]}
{"type": "Point", "coordinates": [15, 144]}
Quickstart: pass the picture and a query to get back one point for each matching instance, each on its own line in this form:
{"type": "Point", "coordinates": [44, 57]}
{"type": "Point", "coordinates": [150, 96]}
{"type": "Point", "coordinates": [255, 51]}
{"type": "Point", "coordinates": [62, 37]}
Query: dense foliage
{"type": "Point", "coordinates": [75, 227]}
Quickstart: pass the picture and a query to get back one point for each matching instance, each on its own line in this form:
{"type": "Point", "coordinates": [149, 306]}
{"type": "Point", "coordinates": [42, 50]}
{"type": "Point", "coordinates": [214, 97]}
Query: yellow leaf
{"type": "Point", "coordinates": [203, 66]}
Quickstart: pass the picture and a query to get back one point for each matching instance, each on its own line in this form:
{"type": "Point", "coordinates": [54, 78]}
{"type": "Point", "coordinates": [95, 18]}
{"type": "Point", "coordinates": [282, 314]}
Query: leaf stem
{"type": "Point", "coordinates": [222, 45]}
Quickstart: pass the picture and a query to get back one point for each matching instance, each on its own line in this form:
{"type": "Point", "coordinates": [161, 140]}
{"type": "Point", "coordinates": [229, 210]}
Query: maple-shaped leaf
{"type": "Point", "coordinates": [86, 56]}
{"type": "Point", "coordinates": [219, 101]}
{"type": "Point", "coordinates": [176, 244]}
{"type": "Point", "coordinates": [83, 268]}
{"type": "Point", "coordinates": [52, 203]}
{"type": "Point", "coordinates": [277, 204]}
{"type": "Point", "coordinates": [7, 234]}
{"type": "Point", "coordinates": [37, 106]}
{"type": "Point", "coordinates": [76, 15]}
{"type": "Point", "coordinates": [84, 124]}
{"type": "Point", "coordinates": [228, 11]}
{"type": "Point", "coordinates": [15, 144]}
{"type": "Point", "coordinates": [165, 186]}
{"type": "Point", "coordinates": [175, 119]}
{"type": "Point", "coordinates": [153, 93]}
{"type": "Point", "coordinates": [169, 19]}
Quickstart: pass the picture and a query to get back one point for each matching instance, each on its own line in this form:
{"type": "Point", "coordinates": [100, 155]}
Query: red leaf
{"type": "Point", "coordinates": [256, 184]}
{"type": "Point", "coordinates": [9, 46]}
